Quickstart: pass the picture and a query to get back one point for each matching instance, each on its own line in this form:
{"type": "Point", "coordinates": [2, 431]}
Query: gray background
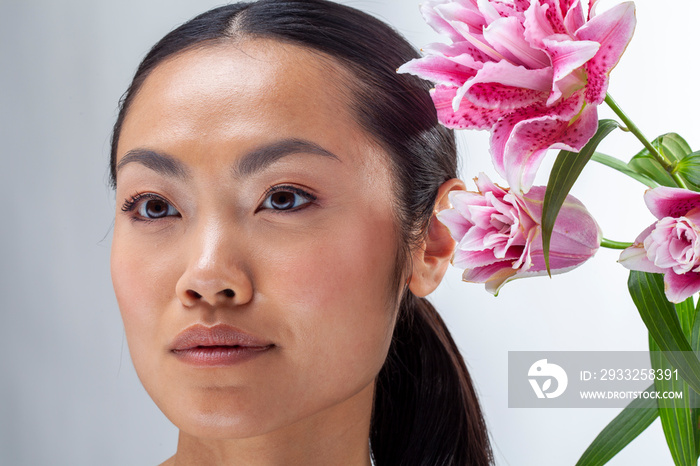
{"type": "Point", "coordinates": [68, 391]}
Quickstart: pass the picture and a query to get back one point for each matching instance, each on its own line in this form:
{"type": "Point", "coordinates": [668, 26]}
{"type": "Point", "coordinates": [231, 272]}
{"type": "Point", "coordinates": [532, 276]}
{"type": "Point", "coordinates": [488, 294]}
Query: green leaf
{"type": "Point", "coordinates": [673, 147]}
{"type": "Point", "coordinates": [659, 316]}
{"type": "Point", "coordinates": [622, 167]}
{"type": "Point", "coordinates": [624, 428]}
{"type": "Point", "coordinates": [694, 396]}
{"type": "Point", "coordinates": [686, 316]}
{"type": "Point", "coordinates": [677, 417]}
{"type": "Point", "coordinates": [695, 335]}
{"type": "Point", "coordinates": [679, 421]}
{"type": "Point", "coordinates": [689, 168]}
{"type": "Point", "coordinates": [565, 172]}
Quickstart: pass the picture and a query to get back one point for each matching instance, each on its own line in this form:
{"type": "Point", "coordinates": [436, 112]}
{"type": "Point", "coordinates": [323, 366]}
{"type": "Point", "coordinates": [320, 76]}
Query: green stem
{"type": "Point", "coordinates": [638, 133]}
{"type": "Point", "coordinates": [606, 243]}
{"type": "Point", "coordinates": [665, 163]}
{"type": "Point", "coordinates": [679, 181]}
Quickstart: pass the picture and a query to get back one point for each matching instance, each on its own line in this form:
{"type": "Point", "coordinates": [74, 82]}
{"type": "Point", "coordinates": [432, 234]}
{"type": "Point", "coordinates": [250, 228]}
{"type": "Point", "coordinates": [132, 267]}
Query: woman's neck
{"type": "Point", "coordinates": [338, 435]}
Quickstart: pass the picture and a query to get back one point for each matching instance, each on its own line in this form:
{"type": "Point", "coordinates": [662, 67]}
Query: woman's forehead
{"type": "Point", "coordinates": [238, 87]}
{"type": "Point", "coordinates": [232, 98]}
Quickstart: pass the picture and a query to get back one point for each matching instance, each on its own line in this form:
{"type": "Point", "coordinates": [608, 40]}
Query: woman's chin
{"type": "Point", "coordinates": [219, 425]}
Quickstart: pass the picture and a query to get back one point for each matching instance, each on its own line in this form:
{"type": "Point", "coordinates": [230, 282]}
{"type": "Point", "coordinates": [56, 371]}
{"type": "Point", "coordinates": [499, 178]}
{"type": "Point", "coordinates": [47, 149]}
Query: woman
{"type": "Point", "coordinates": [277, 184]}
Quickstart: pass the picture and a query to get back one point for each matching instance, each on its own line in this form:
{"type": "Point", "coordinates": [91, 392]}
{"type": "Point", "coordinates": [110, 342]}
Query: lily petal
{"type": "Point", "coordinates": [635, 258]}
{"type": "Point", "coordinates": [536, 270]}
{"type": "Point", "coordinates": [473, 241]}
{"type": "Point", "coordinates": [507, 36]}
{"type": "Point", "coordinates": [592, 8]}
{"type": "Point", "coordinates": [477, 40]}
{"type": "Point", "coordinates": [463, 13]}
{"type": "Point", "coordinates": [510, 8]}
{"type": "Point", "coordinates": [693, 215]}
{"type": "Point", "coordinates": [477, 259]}
{"type": "Point", "coordinates": [567, 56]}
{"type": "Point", "coordinates": [679, 287]}
{"type": "Point", "coordinates": [488, 10]}
{"type": "Point", "coordinates": [467, 116]}
{"type": "Point", "coordinates": [555, 15]}
{"type": "Point", "coordinates": [454, 222]}
{"type": "Point", "coordinates": [437, 22]}
{"type": "Point", "coordinates": [462, 52]}
{"type": "Point", "coordinates": [643, 235]}
{"type": "Point", "coordinates": [574, 18]}
{"type": "Point", "coordinates": [501, 132]}
{"type": "Point", "coordinates": [462, 201]}
{"type": "Point", "coordinates": [438, 69]}
{"type": "Point", "coordinates": [558, 262]}
{"type": "Point", "coordinates": [575, 232]}
{"type": "Point", "coordinates": [531, 138]}
{"type": "Point", "coordinates": [613, 30]}
{"type": "Point", "coordinates": [537, 25]}
{"type": "Point", "coordinates": [485, 185]}
{"type": "Point", "coordinates": [506, 86]}
{"type": "Point", "coordinates": [494, 275]}
{"type": "Point", "coordinates": [671, 202]}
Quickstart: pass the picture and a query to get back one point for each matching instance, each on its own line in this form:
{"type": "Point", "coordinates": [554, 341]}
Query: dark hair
{"type": "Point", "coordinates": [426, 411]}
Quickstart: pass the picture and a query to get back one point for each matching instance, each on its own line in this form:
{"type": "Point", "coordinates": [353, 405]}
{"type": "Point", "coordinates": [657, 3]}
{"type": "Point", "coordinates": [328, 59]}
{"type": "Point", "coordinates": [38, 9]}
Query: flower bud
{"type": "Point", "coordinates": [499, 234]}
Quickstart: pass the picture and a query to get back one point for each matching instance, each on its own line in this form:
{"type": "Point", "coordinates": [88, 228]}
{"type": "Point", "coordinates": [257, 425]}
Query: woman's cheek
{"type": "Point", "coordinates": [335, 285]}
{"type": "Point", "coordinates": [133, 265]}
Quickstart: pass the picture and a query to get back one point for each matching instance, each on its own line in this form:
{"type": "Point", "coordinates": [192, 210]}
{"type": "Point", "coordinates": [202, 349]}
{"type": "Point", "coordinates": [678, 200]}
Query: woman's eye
{"type": "Point", "coordinates": [156, 208]}
{"type": "Point", "coordinates": [149, 207]}
{"type": "Point", "coordinates": [286, 198]}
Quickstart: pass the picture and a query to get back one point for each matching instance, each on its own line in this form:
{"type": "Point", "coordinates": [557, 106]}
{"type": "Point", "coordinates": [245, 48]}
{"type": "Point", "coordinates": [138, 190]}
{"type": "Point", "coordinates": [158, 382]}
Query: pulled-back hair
{"type": "Point", "coordinates": [426, 411]}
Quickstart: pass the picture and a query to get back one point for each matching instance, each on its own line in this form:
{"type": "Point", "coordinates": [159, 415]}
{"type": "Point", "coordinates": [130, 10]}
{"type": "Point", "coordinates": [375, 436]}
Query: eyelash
{"type": "Point", "coordinates": [308, 197]}
{"type": "Point", "coordinates": [134, 201]}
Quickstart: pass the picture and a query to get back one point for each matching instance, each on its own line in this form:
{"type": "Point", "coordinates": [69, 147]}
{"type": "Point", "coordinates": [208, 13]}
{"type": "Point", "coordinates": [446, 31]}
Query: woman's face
{"type": "Point", "coordinates": [254, 244]}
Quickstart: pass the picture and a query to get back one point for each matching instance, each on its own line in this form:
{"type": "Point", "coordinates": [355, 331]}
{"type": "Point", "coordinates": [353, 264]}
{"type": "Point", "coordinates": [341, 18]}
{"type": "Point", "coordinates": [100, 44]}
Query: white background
{"type": "Point", "coordinates": [68, 391]}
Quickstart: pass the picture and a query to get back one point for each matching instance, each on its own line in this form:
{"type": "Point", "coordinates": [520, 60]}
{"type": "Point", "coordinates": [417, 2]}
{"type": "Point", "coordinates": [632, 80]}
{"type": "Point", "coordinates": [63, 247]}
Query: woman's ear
{"type": "Point", "coordinates": [431, 259]}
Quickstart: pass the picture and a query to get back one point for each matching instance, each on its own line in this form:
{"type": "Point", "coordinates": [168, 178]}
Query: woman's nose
{"type": "Point", "coordinates": [214, 273]}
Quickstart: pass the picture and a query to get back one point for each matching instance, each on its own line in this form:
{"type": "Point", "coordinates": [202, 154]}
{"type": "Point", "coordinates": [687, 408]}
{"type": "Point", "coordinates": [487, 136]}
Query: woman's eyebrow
{"type": "Point", "coordinates": [252, 162]}
{"type": "Point", "coordinates": [163, 164]}
{"type": "Point", "coordinates": [262, 157]}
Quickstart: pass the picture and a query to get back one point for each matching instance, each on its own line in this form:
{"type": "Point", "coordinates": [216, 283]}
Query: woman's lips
{"type": "Point", "coordinates": [220, 345]}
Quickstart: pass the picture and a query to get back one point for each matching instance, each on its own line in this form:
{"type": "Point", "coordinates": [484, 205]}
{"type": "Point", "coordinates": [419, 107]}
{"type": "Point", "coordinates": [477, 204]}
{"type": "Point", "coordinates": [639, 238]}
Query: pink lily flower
{"type": "Point", "coordinates": [531, 72]}
{"type": "Point", "coordinates": [670, 246]}
{"type": "Point", "coordinates": [499, 236]}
